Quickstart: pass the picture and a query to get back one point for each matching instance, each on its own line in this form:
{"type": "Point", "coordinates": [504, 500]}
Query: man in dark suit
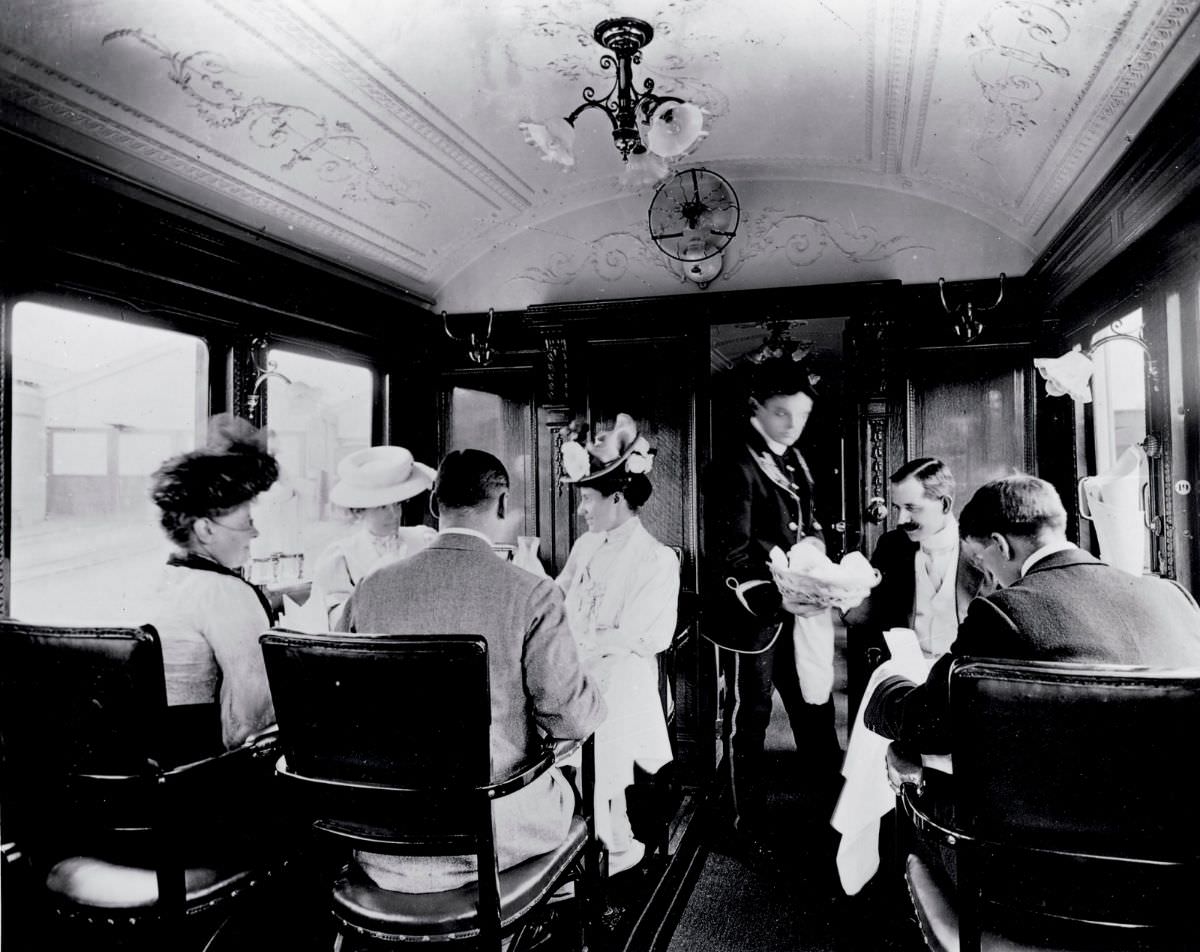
{"type": "Point", "coordinates": [758, 497]}
{"type": "Point", "coordinates": [927, 582]}
{"type": "Point", "coordinates": [458, 585]}
{"type": "Point", "coordinates": [1057, 603]}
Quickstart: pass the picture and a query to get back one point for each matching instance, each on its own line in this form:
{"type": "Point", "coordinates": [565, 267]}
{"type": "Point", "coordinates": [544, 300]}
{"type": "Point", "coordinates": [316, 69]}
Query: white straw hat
{"type": "Point", "coordinates": [379, 476]}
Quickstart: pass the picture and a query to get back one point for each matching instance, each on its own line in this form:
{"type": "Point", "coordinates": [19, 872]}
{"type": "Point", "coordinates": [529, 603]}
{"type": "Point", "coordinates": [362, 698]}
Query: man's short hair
{"type": "Point", "coordinates": [469, 478]}
{"type": "Point", "coordinates": [1020, 505]}
{"type": "Point", "coordinates": [933, 475]}
{"type": "Point", "coordinates": [779, 376]}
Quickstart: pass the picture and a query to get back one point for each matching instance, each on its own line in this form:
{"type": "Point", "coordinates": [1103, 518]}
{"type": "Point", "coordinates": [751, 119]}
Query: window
{"type": "Point", "coordinates": [98, 405]}
{"type": "Point", "coordinates": [317, 419]}
{"type": "Point", "coordinates": [1118, 391]}
{"type": "Point", "coordinates": [1119, 423]}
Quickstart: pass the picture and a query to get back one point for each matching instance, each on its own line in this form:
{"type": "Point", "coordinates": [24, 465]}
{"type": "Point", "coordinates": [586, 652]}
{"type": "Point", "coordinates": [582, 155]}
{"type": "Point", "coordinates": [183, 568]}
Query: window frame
{"type": "Point", "coordinates": [233, 347]}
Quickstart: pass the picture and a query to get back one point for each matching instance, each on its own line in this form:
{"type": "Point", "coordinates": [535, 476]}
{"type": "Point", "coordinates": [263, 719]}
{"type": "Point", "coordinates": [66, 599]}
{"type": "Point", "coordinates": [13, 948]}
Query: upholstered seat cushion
{"type": "Point", "coordinates": [362, 904]}
{"type": "Point", "coordinates": [939, 924]}
{"type": "Point", "coordinates": [100, 884]}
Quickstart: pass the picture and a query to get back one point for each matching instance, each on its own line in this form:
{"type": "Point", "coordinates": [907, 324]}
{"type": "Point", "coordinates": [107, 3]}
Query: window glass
{"type": "Point", "coordinates": [1118, 391]}
{"type": "Point", "coordinates": [318, 412]}
{"type": "Point", "coordinates": [98, 405]}
{"type": "Point", "coordinates": [1119, 408]}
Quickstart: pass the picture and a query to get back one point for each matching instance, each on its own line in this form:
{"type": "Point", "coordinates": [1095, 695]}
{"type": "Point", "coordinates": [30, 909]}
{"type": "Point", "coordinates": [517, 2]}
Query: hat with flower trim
{"type": "Point", "coordinates": [620, 449]}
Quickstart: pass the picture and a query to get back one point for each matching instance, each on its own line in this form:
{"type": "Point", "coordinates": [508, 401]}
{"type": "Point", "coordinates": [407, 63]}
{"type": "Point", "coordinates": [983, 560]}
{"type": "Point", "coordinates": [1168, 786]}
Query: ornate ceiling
{"type": "Point", "coordinates": [866, 139]}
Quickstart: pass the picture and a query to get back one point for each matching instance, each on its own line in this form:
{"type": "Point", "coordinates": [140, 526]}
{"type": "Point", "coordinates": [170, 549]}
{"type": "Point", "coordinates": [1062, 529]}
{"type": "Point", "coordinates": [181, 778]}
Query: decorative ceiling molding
{"type": "Point", "coordinates": [611, 257]}
{"type": "Point", "coordinates": [81, 118]}
{"type": "Point", "coordinates": [902, 59]}
{"type": "Point", "coordinates": [801, 240]}
{"type": "Point", "coordinates": [302, 37]}
{"type": "Point", "coordinates": [1152, 46]}
{"type": "Point", "coordinates": [934, 46]}
{"type": "Point", "coordinates": [383, 136]}
{"type": "Point", "coordinates": [337, 155]}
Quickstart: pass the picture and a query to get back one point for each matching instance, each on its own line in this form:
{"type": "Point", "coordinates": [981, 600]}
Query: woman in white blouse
{"type": "Point", "coordinates": [208, 617]}
{"type": "Point", "coordinates": [372, 483]}
{"type": "Point", "coordinates": [622, 591]}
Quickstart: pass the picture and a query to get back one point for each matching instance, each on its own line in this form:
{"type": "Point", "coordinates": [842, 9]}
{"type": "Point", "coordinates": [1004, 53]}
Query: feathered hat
{"type": "Point", "coordinates": [621, 448]}
{"type": "Point", "coordinates": [231, 468]}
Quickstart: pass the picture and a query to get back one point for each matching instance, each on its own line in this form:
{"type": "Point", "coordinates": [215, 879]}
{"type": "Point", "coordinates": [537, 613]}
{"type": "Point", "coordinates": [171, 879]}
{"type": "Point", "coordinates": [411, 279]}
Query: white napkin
{"type": "Point", "coordinates": [307, 617]}
{"type": "Point", "coordinates": [866, 795]}
{"type": "Point", "coordinates": [812, 645]}
{"type": "Point", "coordinates": [1112, 501]}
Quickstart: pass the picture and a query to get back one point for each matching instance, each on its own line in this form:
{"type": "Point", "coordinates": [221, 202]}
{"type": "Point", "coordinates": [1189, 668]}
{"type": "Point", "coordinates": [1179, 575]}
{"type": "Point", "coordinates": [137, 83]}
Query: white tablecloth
{"type": "Point", "coordinates": [866, 795]}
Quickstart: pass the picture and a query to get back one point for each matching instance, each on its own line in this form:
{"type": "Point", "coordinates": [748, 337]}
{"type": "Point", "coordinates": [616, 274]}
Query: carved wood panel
{"type": "Point", "coordinates": [972, 408]}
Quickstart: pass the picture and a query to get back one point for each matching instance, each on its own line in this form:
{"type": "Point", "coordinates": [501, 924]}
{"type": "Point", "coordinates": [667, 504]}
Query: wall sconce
{"type": "Point", "coordinates": [479, 347]}
{"type": "Point", "coordinates": [966, 325]}
{"type": "Point", "coordinates": [1072, 372]}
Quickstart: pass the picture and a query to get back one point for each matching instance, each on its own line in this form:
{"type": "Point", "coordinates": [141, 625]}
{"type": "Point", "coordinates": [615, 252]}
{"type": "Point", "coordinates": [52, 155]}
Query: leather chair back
{"type": "Point", "coordinates": [1073, 786]}
{"type": "Point", "coordinates": [386, 743]}
{"type": "Point", "coordinates": [349, 703]}
{"type": "Point", "coordinates": [79, 700]}
{"type": "Point", "coordinates": [112, 833]}
{"type": "Point", "coordinates": [1062, 756]}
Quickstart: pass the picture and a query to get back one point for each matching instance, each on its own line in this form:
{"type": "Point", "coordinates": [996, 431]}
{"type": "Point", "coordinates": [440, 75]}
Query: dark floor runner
{"type": "Point", "coordinates": [787, 897]}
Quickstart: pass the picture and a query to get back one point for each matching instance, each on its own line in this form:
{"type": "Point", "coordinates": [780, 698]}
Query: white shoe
{"type": "Point", "coordinates": [627, 858]}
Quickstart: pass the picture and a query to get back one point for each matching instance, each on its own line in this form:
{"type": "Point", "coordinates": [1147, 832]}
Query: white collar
{"type": "Point", "coordinates": [773, 445]}
{"type": "Point", "coordinates": [459, 530]}
{"type": "Point", "coordinates": [944, 539]}
{"type": "Point", "coordinates": [623, 531]}
{"type": "Point", "coordinates": [1062, 545]}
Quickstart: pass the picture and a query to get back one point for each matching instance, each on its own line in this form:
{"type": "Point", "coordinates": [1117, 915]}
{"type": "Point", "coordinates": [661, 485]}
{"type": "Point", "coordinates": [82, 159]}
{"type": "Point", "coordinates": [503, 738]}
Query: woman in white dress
{"type": "Point", "coordinates": [622, 592]}
{"type": "Point", "coordinates": [372, 483]}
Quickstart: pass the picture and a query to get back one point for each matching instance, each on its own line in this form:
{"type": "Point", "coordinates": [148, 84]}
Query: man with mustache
{"type": "Point", "coordinates": [926, 584]}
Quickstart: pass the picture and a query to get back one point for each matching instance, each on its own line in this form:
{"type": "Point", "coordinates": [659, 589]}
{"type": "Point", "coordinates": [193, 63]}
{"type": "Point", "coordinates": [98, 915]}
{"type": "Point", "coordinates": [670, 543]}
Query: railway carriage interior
{"type": "Point", "coordinates": [971, 227]}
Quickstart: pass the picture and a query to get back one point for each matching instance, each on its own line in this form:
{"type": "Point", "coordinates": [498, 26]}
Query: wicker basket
{"type": "Point", "coordinates": [816, 591]}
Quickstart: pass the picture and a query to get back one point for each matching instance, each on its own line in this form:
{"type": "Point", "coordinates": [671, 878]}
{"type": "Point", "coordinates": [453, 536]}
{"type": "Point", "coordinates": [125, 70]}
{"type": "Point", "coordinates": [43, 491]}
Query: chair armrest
{"type": "Point", "coordinates": [904, 768]}
{"type": "Point", "coordinates": [228, 766]}
{"type": "Point", "coordinates": [522, 776]}
{"type": "Point", "coordinates": [923, 819]}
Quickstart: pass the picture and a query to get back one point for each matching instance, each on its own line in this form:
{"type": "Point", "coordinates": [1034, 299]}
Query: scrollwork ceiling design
{"type": "Point", "coordinates": [786, 239]}
{"type": "Point", "coordinates": [614, 256]}
{"type": "Point", "coordinates": [330, 148]}
{"type": "Point", "coordinates": [866, 138]}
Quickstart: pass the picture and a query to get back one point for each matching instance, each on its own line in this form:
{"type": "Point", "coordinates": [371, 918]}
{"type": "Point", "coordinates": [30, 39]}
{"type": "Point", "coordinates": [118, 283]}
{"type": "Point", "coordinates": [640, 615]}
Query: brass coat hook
{"type": "Point", "coordinates": [966, 325]}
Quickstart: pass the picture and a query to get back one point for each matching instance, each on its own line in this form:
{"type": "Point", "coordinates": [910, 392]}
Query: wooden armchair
{"type": "Point", "coordinates": [112, 840]}
{"type": "Point", "coordinates": [1070, 820]}
{"type": "Point", "coordinates": [387, 750]}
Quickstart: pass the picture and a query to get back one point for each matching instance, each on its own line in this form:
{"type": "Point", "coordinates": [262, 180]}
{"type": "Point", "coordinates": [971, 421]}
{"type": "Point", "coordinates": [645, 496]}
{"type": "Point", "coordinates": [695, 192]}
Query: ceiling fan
{"type": "Point", "coordinates": [693, 216]}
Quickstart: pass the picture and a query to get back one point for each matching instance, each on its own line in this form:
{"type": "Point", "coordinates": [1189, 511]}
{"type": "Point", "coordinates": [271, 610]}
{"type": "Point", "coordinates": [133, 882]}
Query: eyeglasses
{"type": "Point", "coordinates": [246, 528]}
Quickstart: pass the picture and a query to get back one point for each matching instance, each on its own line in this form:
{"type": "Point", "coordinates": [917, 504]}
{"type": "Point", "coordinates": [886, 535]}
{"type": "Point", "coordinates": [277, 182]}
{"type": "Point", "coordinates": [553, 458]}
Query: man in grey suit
{"type": "Point", "coordinates": [1057, 603]}
{"type": "Point", "coordinates": [458, 586]}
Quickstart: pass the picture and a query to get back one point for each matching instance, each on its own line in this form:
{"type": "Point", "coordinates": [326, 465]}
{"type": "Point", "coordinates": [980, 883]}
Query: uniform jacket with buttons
{"type": "Point", "coordinates": [752, 501]}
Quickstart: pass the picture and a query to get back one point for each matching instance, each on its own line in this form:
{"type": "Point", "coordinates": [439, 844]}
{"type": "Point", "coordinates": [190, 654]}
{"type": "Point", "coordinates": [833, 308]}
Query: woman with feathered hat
{"type": "Point", "coordinates": [208, 616]}
{"type": "Point", "coordinates": [622, 593]}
